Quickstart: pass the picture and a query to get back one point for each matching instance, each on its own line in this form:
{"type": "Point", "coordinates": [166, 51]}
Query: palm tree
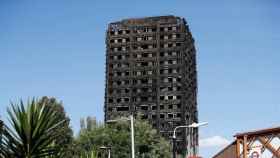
{"type": "Point", "coordinates": [31, 134]}
{"type": "Point", "coordinates": [1, 133]}
{"type": "Point", "coordinates": [1, 129]}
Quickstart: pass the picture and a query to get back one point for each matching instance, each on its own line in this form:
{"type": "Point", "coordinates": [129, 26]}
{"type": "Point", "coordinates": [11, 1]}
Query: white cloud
{"type": "Point", "coordinates": [215, 141]}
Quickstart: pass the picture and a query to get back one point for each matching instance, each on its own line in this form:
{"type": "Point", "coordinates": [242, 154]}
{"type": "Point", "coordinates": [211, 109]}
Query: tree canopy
{"type": "Point", "coordinates": [148, 143]}
{"type": "Point", "coordinates": [66, 139]}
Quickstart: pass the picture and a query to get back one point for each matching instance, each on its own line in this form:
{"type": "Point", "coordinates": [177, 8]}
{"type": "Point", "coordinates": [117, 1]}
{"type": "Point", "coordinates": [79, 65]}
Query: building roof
{"type": "Point", "coordinates": [259, 132]}
{"type": "Point", "coordinates": [149, 20]}
{"type": "Point", "coordinates": [225, 148]}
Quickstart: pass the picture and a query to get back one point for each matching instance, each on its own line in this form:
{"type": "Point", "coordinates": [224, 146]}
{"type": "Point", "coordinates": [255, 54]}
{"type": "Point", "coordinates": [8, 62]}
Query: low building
{"type": "Point", "coordinates": [227, 152]}
{"type": "Point", "coordinates": [264, 143]}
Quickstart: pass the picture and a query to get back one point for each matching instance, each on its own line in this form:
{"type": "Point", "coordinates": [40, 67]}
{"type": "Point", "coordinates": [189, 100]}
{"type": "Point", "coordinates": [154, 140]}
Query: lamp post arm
{"type": "Point", "coordinates": [117, 120]}
{"type": "Point", "coordinates": [174, 131]}
{"type": "Point", "coordinates": [193, 125]}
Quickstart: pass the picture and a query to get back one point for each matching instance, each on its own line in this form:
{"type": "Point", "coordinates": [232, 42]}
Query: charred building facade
{"type": "Point", "coordinates": [151, 69]}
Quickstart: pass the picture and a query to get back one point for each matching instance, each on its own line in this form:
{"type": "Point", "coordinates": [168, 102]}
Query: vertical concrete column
{"type": "Point", "coordinates": [245, 146]}
{"type": "Point", "coordinates": [238, 148]}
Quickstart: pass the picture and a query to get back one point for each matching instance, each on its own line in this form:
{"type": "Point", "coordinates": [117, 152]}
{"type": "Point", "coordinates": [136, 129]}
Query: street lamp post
{"type": "Point", "coordinates": [107, 148]}
{"type": "Point", "coordinates": [132, 132]}
{"type": "Point", "coordinates": [132, 136]}
{"type": "Point", "coordinates": [193, 125]}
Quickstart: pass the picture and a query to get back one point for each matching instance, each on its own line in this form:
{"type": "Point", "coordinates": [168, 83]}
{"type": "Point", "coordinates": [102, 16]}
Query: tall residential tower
{"type": "Point", "coordinates": [151, 70]}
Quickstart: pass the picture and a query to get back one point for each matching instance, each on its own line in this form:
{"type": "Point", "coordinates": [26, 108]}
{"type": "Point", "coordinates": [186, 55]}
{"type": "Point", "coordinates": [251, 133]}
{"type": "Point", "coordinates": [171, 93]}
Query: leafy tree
{"type": "Point", "coordinates": [148, 143]}
{"type": "Point", "coordinates": [65, 141]}
{"type": "Point", "coordinates": [32, 131]}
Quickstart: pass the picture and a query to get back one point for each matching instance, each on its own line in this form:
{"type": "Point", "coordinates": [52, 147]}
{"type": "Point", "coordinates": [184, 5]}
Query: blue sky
{"type": "Point", "coordinates": [57, 48]}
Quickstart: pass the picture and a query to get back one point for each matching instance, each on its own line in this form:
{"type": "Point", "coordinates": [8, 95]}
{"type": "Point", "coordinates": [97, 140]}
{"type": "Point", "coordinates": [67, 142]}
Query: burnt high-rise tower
{"type": "Point", "coordinates": [151, 69]}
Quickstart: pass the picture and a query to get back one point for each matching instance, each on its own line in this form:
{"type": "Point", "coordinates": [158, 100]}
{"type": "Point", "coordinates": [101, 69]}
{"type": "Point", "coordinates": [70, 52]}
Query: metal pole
{"type": "Point", "coordinates": [132, 136]}
{"type": "Point", "coordinates": [194, 125]}
{"type": "Point", "coordinates": [174, 147]}
{"type": "Point", "coordinates": [174, 141]}
{"type": "Point", "coordinates": [109, 154]}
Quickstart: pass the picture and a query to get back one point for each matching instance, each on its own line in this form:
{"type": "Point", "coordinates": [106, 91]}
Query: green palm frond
{"type": "Point", "coordinates": [32, 133]}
